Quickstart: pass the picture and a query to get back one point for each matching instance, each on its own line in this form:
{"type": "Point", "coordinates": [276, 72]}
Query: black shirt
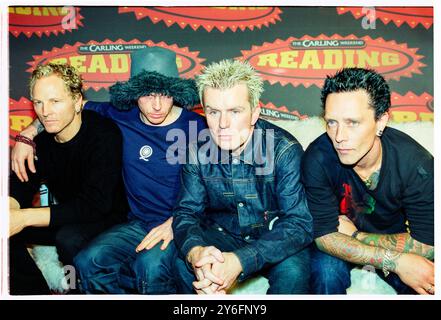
{"type": "Point", "coordinates": [402, 200]}
{"type": "Point", "coordinates": [83, 174]}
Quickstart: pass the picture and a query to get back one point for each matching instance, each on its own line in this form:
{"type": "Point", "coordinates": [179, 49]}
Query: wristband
{"type": "Point", "coordinates": [26, 140]}
{"type": "Point", "coordinates": [387, 263]}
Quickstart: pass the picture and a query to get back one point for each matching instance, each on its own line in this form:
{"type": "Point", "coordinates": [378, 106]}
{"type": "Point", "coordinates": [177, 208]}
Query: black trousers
{"type": "Point", "coordinates": [24, 275]}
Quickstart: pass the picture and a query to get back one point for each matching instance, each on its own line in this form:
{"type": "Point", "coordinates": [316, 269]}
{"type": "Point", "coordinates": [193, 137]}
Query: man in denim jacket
{"type": "Point", "coordinates": [242, 209]}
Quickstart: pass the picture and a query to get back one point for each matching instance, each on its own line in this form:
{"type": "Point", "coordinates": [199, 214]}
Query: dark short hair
{"type": "Point", "coordinates": [353, 79]}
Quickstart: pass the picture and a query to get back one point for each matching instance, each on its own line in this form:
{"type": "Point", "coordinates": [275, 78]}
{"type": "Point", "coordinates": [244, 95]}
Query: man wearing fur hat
{"type": "Point", "coordinates": [151, 110]}
{"type": "Point", "coordinates": [370, 191]}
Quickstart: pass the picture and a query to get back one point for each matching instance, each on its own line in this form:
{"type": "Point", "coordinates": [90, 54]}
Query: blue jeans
{"type": "Point", "coordinates": [331, 275]}
{"type": "Point", "coordinates": [110, 264]}
{"type": "Point", "coordinates": [290, 276]}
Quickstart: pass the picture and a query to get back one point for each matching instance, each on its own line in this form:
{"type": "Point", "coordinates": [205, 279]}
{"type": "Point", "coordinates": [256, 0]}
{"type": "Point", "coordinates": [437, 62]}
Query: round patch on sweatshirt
{"type": "Point", "coordinates": [145, 152]}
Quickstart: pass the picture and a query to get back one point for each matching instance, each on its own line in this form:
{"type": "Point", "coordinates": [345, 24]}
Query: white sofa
{"type": "Point", "coordinates": [363, 281]}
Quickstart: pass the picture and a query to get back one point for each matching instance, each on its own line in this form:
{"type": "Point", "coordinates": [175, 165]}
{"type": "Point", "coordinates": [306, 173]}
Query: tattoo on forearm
{"type": "Point", "coordinates": [352, 250]}
{"type": "Point", "coordinates": [401, 242]}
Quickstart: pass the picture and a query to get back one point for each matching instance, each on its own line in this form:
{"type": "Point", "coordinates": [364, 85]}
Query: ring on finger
{"type": "Point", "coordinates": [430, 289]}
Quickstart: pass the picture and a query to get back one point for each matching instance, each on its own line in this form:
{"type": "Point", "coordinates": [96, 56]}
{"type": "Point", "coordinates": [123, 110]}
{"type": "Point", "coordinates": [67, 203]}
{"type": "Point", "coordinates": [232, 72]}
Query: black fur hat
{"type": "Point", "coordinates": [154, 70]}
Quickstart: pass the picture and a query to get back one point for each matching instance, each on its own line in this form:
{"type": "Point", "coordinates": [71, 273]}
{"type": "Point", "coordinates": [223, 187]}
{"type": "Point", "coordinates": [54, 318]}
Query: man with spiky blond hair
{"type": "Point", "coordinates": [242, 209]}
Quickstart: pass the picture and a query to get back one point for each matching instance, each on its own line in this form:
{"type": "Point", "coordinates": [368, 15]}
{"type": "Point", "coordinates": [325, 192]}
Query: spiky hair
{"type": "Point", "coordinates": [353, 79]}
{"type": "Point", "coordinates": [226, 74]}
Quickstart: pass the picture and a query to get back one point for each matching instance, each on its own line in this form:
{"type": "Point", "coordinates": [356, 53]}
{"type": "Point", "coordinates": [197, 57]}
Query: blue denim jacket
{"type": "Point", "coordinates": [256, 197]}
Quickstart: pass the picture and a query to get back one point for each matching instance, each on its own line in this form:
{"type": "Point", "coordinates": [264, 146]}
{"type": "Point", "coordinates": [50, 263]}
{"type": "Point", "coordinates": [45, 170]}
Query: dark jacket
{"type": "Point", "coordinates": [256, 197]}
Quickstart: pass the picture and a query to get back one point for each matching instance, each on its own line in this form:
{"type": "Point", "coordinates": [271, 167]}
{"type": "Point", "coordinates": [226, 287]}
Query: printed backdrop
{"type": "Point", "coordinates": [293, 48]}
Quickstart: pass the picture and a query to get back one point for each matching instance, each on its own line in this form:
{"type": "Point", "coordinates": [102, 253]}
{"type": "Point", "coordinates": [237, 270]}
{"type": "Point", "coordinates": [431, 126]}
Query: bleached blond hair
{"type": "Point", "coordinates": [226, 74]}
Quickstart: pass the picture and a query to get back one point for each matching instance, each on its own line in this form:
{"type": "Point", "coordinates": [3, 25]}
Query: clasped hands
{"type": "Point", "coordinates": [215, 271]}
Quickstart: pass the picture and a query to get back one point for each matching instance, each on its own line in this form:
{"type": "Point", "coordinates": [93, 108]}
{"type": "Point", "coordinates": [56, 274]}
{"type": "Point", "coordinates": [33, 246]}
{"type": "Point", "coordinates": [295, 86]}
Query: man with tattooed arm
{"type": "Point", "coordinates": [370, 191]}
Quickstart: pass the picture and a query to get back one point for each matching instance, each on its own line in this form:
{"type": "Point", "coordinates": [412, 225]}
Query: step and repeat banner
{"type": "Point", "coordinates": [293, 48]}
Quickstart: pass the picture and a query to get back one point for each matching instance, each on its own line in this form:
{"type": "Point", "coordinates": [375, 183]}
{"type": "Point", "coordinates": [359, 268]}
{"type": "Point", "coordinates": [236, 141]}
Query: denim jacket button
{"type": "Point", "coordinates": [247, 238]}
{"type": "Point", "coordinates": [220, 229]}
{"type": "Point", "coordinates": [240, 204]}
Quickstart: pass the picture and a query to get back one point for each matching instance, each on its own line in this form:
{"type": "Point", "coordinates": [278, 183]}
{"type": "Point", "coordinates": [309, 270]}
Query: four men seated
{"type": "Point", "coordinates": [239, 200]}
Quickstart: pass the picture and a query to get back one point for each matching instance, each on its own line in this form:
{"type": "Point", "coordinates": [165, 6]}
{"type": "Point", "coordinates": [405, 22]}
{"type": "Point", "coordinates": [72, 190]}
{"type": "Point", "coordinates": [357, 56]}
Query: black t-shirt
{"type": "Point", "coordinates": [83, 174]}
{"type": "Point", "coordinates": [402, 200]}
